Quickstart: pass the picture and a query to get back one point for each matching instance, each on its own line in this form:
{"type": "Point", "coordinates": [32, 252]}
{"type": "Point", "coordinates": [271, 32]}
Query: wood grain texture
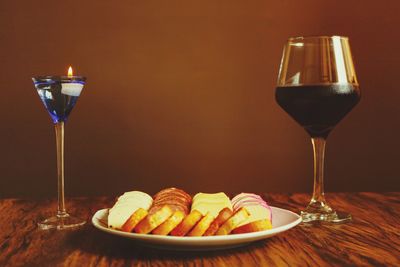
{"type": "Point", "coordinates": [371, 239]}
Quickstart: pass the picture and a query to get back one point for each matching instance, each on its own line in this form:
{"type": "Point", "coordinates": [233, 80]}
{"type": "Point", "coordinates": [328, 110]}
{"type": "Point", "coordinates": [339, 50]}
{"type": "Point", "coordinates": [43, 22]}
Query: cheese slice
{"type": "Point", "coordinates": [211, 203]}
{"type": "Point", "coordinates": [125, 206]}
{"type": "Point", "coordinates": [133, 195]}
{"type": "Point", "coordinates": [257, 212]}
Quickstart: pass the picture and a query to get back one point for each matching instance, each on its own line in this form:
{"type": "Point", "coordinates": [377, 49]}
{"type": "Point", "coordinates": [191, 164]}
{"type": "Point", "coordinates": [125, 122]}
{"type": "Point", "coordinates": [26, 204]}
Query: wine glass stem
{"type": "Point", "coordinates": [319, 155]}
{"type": "Point", "coordinates": [59, 127]}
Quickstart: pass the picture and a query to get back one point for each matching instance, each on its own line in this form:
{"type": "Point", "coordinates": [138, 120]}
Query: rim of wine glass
{"type": "Point", "coordinates": [298, 38]}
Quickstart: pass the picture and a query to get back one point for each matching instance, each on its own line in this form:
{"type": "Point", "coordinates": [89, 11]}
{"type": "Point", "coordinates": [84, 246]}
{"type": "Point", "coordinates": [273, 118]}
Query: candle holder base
{"type": "Point", "coordinates": [319, 210]}
{"type": "Point", "coordinates": [61, 222]}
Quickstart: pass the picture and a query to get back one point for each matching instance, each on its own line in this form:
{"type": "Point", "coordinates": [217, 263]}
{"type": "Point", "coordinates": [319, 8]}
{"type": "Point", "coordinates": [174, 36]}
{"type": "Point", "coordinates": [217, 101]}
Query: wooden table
{"type": "Point", "coordinates": [372, 238]}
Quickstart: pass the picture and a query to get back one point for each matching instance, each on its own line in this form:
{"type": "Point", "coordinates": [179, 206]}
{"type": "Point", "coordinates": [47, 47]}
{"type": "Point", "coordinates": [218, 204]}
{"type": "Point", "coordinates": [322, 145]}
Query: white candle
{"type": "Point", "coordinates": [72, 89]}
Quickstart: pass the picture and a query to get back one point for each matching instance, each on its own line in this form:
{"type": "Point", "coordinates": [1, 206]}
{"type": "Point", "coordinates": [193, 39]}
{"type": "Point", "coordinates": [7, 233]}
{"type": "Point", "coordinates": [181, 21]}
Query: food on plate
{"type": "Point", "coordinates": [260, 213]}
{"type": "Point", "coordinates": [209, 205]}
{"type": "Point", "coordinates": [256, 226]}
{"type": "Point", "coordinates": [165, 204]}
{"type": "Point", "coordinates": [166, 227]}
{"type": "Point", "coordinates": [173, 212]}
{"type": "Point", "coordinates": [135, 218]}
{"type": "Point", "coordinates": [187, 224]}
{"type": "Point", "coordinates": [176, 198]}
{"type": "Point", "coordinates": [201, 227]}
{"type": "Point", "coordinates": [222, 217]}
{"type": "Point", "coordinates": [127, 205]}
{"type": "Point", "coordinates": [153, 219]}
{"type": "Point", "coordinates": [233, 222]}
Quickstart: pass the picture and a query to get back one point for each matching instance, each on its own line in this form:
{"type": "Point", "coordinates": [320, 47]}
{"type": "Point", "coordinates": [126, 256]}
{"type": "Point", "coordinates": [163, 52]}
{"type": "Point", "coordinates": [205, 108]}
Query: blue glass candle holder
{"type": "Point", "coordinates": [59, 95]}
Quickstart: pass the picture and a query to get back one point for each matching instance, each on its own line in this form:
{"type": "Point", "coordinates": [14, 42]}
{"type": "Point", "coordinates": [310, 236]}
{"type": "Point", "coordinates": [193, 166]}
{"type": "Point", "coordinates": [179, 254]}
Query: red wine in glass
{"type": "Point", "coordinates": [318, 108]}
{"type": "Point", "coordinates": [317, 86]}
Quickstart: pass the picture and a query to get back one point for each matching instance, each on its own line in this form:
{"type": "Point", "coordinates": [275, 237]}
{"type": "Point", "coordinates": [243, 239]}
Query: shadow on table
{"type": "Point", "coordinates": [92, 241]}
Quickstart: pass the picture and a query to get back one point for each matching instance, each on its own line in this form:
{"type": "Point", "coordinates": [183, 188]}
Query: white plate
{"type": "Point", "coordinates": [282, 220]}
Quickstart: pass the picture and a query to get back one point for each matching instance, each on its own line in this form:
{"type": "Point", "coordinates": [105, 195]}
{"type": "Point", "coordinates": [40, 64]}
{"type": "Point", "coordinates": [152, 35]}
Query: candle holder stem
{"type": "Point", "coordinates": [59, 129]}
{"type": "Point", "coordinates": [62, 220]}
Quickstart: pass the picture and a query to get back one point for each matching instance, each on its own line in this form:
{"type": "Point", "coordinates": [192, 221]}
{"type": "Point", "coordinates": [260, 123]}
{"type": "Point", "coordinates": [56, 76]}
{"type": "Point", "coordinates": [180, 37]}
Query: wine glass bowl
{"type": "Point", "coordinates": [317, 86]}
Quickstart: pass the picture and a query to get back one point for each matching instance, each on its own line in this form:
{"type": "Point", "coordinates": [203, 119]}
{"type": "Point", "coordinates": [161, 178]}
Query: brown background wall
{"type": "Point", "coordinates": [181, 93]}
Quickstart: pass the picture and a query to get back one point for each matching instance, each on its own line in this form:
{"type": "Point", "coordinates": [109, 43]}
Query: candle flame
{"type": "Point", "coordinates": [70, 72]}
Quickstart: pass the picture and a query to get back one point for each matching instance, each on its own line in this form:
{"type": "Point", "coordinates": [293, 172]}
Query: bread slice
{"type": "Point", "coordinates": [126, 205]}
{"type": "Point", "coordinates": [201, 227]}
{"type": "Point", "coordinates": [170, 223]}
{"type": "Point", "coordinates": [256, 226]}
{"type": "Point", "coordinates": [135, 218]}
{"type": "Point", "coordinates": [153, 220]}
{"type": "Point", "coordinates": [239, 216]}
{"type": "Point", "coordinates": [222, 217]}
{"type": "Point", "coordinates": [187, 224]}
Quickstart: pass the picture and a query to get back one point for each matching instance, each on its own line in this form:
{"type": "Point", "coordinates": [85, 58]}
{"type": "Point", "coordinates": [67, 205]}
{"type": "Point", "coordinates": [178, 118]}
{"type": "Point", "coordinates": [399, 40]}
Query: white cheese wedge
{"type": "Point", "coordinates": [134, 195]}
{"type": "Point", "coordinates": [212, 203]}
{"type": "Point", "coordinates": [257, 212]}
{"type": "Point", "coordinates": [126, 205]}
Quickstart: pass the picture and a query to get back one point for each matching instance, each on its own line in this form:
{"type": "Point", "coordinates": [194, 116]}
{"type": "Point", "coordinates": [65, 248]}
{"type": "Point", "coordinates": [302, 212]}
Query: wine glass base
{"type": "Point", "coordinates": [61, 222]}
{"type": "Point", "coordinates": [332, 217]}
{"type": "Point", "coordinates": [319, 210]}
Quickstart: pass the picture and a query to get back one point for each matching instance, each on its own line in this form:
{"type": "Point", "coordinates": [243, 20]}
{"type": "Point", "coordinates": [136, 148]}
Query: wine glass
{"type": "Point", "coordinates": [317, 86]}
{"type": "Point", "coordinates": [59, 95]}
